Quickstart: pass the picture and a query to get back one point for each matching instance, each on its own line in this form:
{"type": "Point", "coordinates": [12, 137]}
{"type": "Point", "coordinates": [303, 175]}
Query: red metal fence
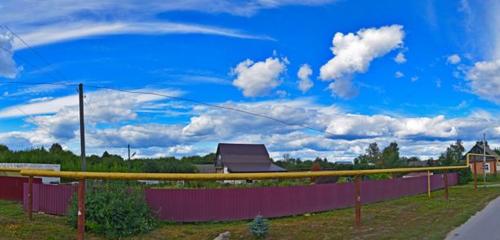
{"type": "Point", "coordinates": [197, 205]}
{"type": "Point", "coordinates": [11, 188]}
{"type": "Point", "coordinates": [51, 199]}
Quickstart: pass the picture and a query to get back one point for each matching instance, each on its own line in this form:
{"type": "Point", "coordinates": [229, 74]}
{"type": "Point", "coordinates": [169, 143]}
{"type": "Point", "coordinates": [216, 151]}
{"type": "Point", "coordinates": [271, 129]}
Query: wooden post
{"type": "Point", "coordinates": [495, 168]}
{"type": "Point", "coordinates": [429, 184]}
{"type": "Point", "coordinates": [357, 200]}
{"type": "Point", "coordinates": [445, 185]}
{"type": "Point", "coordinates": [475, 176]}
{"type": "Point", "coordinates": [81, 209]}
{"type": "Point", "coordinates": [30, 198]}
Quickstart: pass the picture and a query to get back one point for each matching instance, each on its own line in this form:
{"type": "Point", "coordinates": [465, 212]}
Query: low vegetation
{"type": "Point", "coordinates": [114, 210]}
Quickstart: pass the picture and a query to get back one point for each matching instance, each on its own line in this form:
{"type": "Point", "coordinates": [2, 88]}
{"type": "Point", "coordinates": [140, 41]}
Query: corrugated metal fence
{"type": "Point", "coordinates": [51, 199]}
{"type": "Point", "coordinates": [196, 205]}
{"type": "Point", "coordinates": [183, 205]}
{"type": "Point", "coordinates": [11, 188]}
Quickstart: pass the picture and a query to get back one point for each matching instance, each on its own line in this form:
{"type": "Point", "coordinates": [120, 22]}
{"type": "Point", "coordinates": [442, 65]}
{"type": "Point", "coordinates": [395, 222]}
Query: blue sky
{"type": "Point", "coordinates": [422, 73]}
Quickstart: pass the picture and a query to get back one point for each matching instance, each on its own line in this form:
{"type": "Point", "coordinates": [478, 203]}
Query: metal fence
{"type": "Point", "coordinates": [11, 188]}
{"type": "Point", "coordinates": [197, 205]}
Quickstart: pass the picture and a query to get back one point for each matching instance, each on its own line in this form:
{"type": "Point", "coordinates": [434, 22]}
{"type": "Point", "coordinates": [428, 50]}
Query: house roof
{"type": "Point", "coordinates": [246, 158]}
{"type": "Point", "coordinates": [479, 149]}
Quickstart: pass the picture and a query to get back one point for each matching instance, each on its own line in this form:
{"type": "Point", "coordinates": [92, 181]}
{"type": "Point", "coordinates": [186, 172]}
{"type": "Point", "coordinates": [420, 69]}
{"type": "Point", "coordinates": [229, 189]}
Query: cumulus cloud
{"type": "Point", "coordinates": [400, 58]}
{"type": "Point", "coordinates": [484, 80]}
{"type": "Point", "coordinates": [353, 53]}
{"type": "Point", "coordinates": [399, 74]}
{"type": "Point", "coordinates": [8, 67]}
{"type": "Point", "coordinates": [259, 78]}
{"type": "Point", "coordinates": [453, 59]}
{"type": "Point", "coordinates": [57, 119]}
{"type": "Point", "coordinates": [341, 135]}
{"type": "Point", "coordinates": [304, 75]}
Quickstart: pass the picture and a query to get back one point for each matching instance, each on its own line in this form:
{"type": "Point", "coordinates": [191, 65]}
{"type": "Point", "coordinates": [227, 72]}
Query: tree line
{"type": "Point", "coordinates": [105, 163]}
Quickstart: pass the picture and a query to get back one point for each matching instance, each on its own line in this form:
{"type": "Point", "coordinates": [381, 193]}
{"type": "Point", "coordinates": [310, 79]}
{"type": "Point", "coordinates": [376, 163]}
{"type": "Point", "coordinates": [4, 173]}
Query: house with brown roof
{"type": "Point", "coordinates": [476, 158]}
{"type": "Point", "coordinates": [244, 158]}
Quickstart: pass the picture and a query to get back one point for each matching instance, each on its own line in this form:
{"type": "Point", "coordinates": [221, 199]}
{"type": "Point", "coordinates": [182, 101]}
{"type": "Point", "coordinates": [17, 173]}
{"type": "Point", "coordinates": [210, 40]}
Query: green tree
{"type": "Point", "coordinates": [390, 156]}
{"type": "Point", "coordinates": [3, 148]}
{"type": "Point", "coordinates": [453, 154]}
{"type": "Point", "coordinates": [56, 148]}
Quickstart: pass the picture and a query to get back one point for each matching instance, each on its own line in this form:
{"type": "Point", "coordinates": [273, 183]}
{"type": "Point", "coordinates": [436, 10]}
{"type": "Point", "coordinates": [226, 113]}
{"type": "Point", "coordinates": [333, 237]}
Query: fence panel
{"type": "Point", "coordinates": [11, 188]}
{"type": "Point", "coordinates": [50, 199]}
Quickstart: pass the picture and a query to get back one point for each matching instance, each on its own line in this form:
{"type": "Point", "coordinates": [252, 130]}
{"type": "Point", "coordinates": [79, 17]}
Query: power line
{"type": "Point", "coordinates": [212, 105]}
{"type": "Point", "coordinates": [39, 55]}
{"type": "Point", "coordinates": [197, 102]}
{"type": "Point", "coordinates": [158, 94]}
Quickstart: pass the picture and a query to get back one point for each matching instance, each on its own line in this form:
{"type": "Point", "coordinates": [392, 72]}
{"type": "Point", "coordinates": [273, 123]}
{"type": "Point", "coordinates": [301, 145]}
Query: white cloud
{"type": "Point", "coordinates": [343, 88]}
{"type": "Point", "coordinates": [400, 58]}
{"type": "Point", "coordinates": [355, 51]}
{"type": "Point", "coordinates": [414, 78]}
{"type": "Point", "coordinates": [8, 67]}
{"type": "Point", "coordinates": [40, 107]}
{"type": "Point", "coordinates": [259, 78]}
{"type": "Point", "coordinates": [57, 119]}
{"type": "Point", "coordinates": [453, 59]}
{"type": "Point", "coordinates": [345, 134]}
{"type": "Point", "coordinates": [399, 74]}
{"type": "Point", "coordinates": [484, 80]}
{"type": "Point", "coordinates": [15, 11]}
{"type": "Point", "coordinates": [75, 30]}
{"type": "Point", "coordinates": [54, 21]}
{"type": "Point", "coordinates": [139, 136]}
{"type": "Point", "coordinates": [304, 75]}
{"type": "Point", "coordinates": [97, 103]}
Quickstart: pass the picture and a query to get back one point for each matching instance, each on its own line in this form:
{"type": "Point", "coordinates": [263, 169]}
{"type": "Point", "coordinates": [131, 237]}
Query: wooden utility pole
{"type": "Point", "coordinates": [82, 128]}
{"type": "Point", "coordinates": [128, 147]}
{"type": "Point", "coordinates": [81, 184]}
{"type": "Point", "coordinates": [484, 158]}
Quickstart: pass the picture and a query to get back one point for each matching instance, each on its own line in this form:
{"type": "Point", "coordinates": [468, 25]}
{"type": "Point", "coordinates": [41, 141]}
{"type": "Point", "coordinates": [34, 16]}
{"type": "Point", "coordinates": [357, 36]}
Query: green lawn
{"type": "Point", "coordinates": [416, 217]}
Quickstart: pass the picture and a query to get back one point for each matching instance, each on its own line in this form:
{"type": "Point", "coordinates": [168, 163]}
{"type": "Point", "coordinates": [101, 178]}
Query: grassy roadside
{"type": "Point", "coordinates": [415, 217]}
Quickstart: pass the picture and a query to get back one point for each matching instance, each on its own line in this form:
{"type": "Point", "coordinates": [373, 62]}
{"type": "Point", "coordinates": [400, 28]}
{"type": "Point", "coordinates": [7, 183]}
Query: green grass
{"type": "Point", "coordinates": [416, 217]}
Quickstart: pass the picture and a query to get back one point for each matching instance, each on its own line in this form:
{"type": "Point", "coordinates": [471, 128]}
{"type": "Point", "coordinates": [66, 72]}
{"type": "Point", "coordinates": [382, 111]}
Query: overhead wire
{"type": "Point", "coordinates": [197, 102]}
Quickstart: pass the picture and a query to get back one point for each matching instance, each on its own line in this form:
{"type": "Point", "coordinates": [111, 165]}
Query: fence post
{"type": "Point", "coordinates": [495, 168]}
{"type": "Point", "coordinates": [445, 185]}
{"type": "Point", "coordinates": [475, 176]}
{"type": "Point", "coordinates": [429, 184]}
{"type": "Point", "coordinates": [30, 198]}
{"type": "Point", "coordinates": [357, 199]}
{"type": "Point", "coordinates": [81, 209]}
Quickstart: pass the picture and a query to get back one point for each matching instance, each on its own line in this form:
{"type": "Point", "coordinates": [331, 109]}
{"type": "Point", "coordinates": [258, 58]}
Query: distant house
{"type": "Point", "coordinates": [244, 158]}
{"type": "Point", "coordinates": [492, 158]}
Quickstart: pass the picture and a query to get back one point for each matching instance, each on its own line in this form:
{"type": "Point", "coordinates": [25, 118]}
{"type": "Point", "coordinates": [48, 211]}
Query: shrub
{"type": "Point", "coordinates": [259, 227]}
{"type": "Point", "coordinates": [114, 210]}
{"type": "Point", "coordinates": [464, 176]}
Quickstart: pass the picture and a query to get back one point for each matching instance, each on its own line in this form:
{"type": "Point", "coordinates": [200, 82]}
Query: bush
{"type": "Point", "coordinates": [259, 227]}
{"type": "Point", "coordinates": [114, 210]}
{"type": "Point", "coordinates": [464, 176]}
